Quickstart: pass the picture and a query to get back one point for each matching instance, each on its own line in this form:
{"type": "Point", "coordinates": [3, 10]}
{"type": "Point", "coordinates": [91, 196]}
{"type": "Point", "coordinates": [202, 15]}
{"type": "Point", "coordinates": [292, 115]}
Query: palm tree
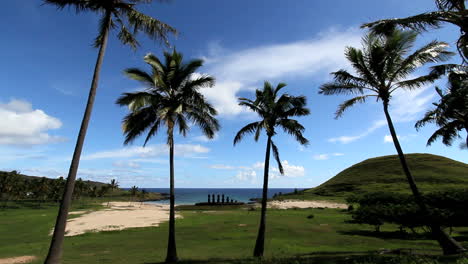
{"type": "Point", "coordinates": [451, 112]}
{"type": "Point", "coordinates": [172, 99]}
{"type": "Point", "coordinates": [114, 184]}
{"type": "Point", "coordinates": [274, 111]}
{"type": "Point", "coordinates": [449, 11]}
{"type": "Point", "coordinates": [115, 14]}
{"type": "Point", "coordinates": [382, 68]}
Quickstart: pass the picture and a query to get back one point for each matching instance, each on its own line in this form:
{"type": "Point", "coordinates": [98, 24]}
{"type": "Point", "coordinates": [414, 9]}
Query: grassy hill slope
{"type": "Point", "coordinates": [432, 173]}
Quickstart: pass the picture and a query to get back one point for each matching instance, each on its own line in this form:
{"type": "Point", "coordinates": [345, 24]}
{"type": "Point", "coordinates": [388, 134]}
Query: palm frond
{"type": "Point", "coordinates": [277, 157]}
{"type": "Point", "coordinates": [248, 129]}
{"type": "Point", "coordinates": [420, 22]}
{"type": "Point", "coordinates": [294, 128]}
{"type": "Point", "coordinates": [153, 28]}
{"type": "Point", "coordinates": [348, 103]}
{"type": "Point", "coordinates": [139, 75]}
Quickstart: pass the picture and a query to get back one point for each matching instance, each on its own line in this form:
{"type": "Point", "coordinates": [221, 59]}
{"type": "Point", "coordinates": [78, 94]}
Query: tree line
{"type": "Point", "coordinates": [171, 98]}
{"type": "Point", "coordinates": [15, 186]}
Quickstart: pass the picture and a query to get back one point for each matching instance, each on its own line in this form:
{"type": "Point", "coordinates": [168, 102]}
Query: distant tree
{"type": "Point", "coordinates": [449, 11]}
{"type": "Point", "coordinates": [451, 112]}
{"type": "Point", "coordinates": [114, 184]}
{"type": "Point", "coordinates": [275, 111]}
{"type": "Point", "coordinates": [103, 190]}
{"type": "Point", "coordinates": [128, 21]}
{"type": "Point", "coordinates": [382, 67]}
{"type": "Point", "coordinates": [172, 99]}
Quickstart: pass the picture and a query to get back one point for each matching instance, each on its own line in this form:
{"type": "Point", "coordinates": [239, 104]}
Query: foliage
{"type": "Point", "coordinates": [275, 112]}
{"type": "Point", "coordinates": [449, 11]}
{"type": "Point", "coordinates": [445, 208]}
{"type": "Point", "coordinates": [451, 111]}
{"type": "Point", "coordinates": [123, 17]}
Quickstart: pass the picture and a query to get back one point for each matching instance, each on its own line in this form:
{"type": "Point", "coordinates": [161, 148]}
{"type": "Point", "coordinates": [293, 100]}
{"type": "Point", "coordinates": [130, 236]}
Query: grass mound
{"type": "Point", "coordinates": [431, 172]}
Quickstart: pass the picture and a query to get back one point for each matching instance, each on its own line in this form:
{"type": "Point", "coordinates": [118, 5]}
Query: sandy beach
{"type": "Point", "coordinates": [118, 216]}
{"type": "Point", "coordinates": [289, 204]}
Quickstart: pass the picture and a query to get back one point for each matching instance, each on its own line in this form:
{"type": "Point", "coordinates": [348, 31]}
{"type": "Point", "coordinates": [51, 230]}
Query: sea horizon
{"type": "Point", "coordinates": [198, 195]}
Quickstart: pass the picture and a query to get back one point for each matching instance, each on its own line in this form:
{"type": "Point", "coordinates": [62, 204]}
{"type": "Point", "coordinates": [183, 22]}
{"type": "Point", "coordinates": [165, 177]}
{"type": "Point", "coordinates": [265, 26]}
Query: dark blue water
{"type": "Point", "coordinates": [198, 195]}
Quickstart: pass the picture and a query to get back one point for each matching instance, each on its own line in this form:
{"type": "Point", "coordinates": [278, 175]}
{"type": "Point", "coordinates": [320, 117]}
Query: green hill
{"type": "Point", "coordinates": [431, 172]}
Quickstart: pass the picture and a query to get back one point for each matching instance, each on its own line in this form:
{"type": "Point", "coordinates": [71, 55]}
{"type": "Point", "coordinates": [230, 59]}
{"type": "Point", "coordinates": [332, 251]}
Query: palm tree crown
{"type": "Point", "coordinates": [451, 112]}
{"type": "Point", "coordinates": [123, 16]}
{"type": "Point", "coordinates": [171, 98]}
{"type": "Point", "coordinates": [449, 11]}
{"type": "Point", "coordinates": [383, 66]}
{"type": "Point", "coordinates": [275, 111]}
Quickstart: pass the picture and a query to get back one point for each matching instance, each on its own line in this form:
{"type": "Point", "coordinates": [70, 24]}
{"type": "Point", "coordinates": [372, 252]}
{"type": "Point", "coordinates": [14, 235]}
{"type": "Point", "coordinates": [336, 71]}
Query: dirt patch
{"type": "Point", "coordinates": [119, 216]}
{"type": "Point", "coordinates": [17, 260]}
{"type": "Point", "coordinates": [289, 204]}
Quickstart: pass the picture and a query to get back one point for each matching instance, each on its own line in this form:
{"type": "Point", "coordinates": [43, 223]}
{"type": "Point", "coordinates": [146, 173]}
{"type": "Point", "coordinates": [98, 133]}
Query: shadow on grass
{"type": "Point", "coordinates": [388, 234]}
{"type": "Point", "coordinates": [333, 258]}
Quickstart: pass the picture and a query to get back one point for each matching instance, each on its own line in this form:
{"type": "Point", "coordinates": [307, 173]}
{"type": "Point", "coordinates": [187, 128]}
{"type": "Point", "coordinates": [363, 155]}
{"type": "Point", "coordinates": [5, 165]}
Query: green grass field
{"type": "Point", "coordinates": [216, 237]}
{"type": "Point", "coordinates": [431, 172]}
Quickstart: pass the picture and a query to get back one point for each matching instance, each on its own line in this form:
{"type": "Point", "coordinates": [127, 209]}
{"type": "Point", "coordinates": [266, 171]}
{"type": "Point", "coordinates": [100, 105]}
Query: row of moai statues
{"type": "Point", "coordinates": [220, 199]}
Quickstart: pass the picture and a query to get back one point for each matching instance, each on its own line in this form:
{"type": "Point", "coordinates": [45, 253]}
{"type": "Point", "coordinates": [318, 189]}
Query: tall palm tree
{"type": "Point", "coordinates": [172, 99]}
{"type": "Point", "coordinates": [275, 111]}
{"type": "Point", "coordinates": [449, 11]}
{"type": "Point", "coordinates": [122, 16]}
{"type": "Point", "coordinates": [451, 112]}
{"type": "Point", "coordinates": [383, 66]}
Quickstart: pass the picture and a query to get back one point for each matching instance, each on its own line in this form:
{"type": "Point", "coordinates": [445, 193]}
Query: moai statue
{"type": "Point", "coordinates": [209, 201]}
{"type": "Point", "coordinates": [212, 198]}
{"type": "Point", "coordinates": [217, 200]}
{"type": "Point", "coordinates": [227, 199]}
{"type": "Point", "coordinates": [222, 198]}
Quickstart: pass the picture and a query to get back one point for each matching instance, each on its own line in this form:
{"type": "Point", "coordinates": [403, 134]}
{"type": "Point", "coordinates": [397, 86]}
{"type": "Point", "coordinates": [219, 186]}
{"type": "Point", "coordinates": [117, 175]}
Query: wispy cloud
{"type": "Point", "coordinates": [185, 150]}
{"type": "Point", "coordinates": [222, 167]}
{"type": "Point", "coordinates": [326, 156]}
{"type": "Point", "coordinates": [349, 139]}
{"type": "Point", "coordinates": [249, 173]}
{"type": "Point", "coordinates": [405, 106]}
{"type": "Point", "coordinates": [23, 125]}
{"type": "Point", "coordinates": [244, 69]}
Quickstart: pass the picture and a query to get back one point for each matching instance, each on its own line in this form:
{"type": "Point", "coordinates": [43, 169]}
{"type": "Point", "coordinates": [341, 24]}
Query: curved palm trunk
{"type": "Point", "coordinates": [448, 244]}
{"type": "Point", "coordinates": [55, 251]}
{"type": "Point", "coordinates": [260, 243]}
{"type": "Point", "coordinates": [171, 245]}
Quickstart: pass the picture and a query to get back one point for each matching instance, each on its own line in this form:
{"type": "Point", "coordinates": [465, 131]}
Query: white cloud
{"type": "Point", "coordinates": [389, 139]}
{"type": "Point", "coordinates": [406, 105]}
{"type": "Point", "coordinates": [259, 165]}
{"type": "Point", "coordinates": [242, 70]}
{"type": "Point", "coordinates": [184, 150]}
{"type": "Point", "coordinates": [222, 167]}
{"type": "Point", "coordinates": [205, 138]}
{"type": "Point", "coordinates": [126, 164]}
{"type": "Point", "coordinates": [249, 175]}
{"type": "Point", "coordinates": [290, 171]}
{"type": "Point", "coordinates": [349, 139]}
{"type": "Point", "coordinates": [22, 125]}
{"type": "Point", "coordinates": [326, 156]}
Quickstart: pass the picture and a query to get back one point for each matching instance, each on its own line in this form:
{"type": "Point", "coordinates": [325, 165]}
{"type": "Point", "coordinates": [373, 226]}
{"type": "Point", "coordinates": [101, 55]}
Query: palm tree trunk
{"type": "Point", "coordinates": [55, 251]}
{"type": "Point", "coordinates": [171, 245]}
{"type": "Point", "coordinates": [448, 244]}
{"type": "Point", "coordinates": [260, 243]}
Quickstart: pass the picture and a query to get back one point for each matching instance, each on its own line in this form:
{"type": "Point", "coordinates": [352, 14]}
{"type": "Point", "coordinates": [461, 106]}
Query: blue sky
{"type": "Point", "coordinates": [47, 64]}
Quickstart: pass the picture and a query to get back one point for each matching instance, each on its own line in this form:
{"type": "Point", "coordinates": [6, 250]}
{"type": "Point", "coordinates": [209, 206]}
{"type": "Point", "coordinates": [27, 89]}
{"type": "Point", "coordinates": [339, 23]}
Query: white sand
{"type": "Point", "coordinates": [118, 216]}
{"type": "Point", "coordinates": [288, 204]}
{"type": "Point", "coordinates": [17, 260]}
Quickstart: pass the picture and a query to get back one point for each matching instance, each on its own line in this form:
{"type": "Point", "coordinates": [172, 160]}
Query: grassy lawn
{"type": "Point", "coordinates": [226, 236]}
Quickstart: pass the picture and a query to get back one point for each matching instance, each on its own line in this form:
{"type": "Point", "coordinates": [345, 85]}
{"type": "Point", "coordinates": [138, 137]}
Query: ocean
{"type": "Point", "coordinates": [198, 195]}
